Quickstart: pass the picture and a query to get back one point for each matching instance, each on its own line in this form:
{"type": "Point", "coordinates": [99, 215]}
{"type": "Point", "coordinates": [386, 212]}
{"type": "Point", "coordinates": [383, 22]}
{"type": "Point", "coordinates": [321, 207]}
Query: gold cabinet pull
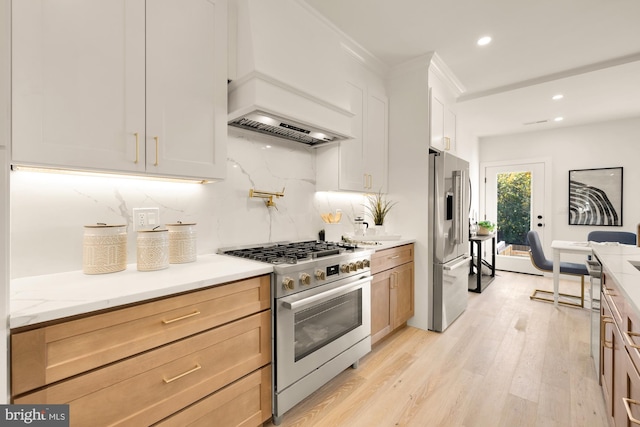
{"type": "Point", "coordinates": [186, 316]}
{"type": "Point", "coordinates": [395, 280]}
{"type": "Point", "coordinates": [627, 405]}
{"type": "Point", "coordinates": [137, 148]}
{"type": "Point", "coordinates": [184, 374]}
{"type": "Point", "coordinates": [157, 139]}
{"type": "Point", "coordinates": [394, 257]}
{"type": "Point", "coordinates": [605, 343]}
{"type": "Point", "coordinates": [628, 335]}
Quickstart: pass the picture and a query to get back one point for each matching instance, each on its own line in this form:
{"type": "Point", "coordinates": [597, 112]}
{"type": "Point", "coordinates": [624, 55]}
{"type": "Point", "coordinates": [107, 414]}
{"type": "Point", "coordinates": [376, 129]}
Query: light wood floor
{"type": "Point", "coordinates": [507, 361]}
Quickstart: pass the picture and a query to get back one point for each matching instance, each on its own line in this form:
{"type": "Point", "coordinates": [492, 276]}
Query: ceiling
{"type": "Point", "coordinates": [587, 50]}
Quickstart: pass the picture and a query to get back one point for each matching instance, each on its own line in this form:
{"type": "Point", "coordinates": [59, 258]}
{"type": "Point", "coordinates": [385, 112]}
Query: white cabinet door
{"type": "Point", "coordinates": [78, 83]}
{"type": "Point", "coordinates": [376, 147]}
{"type": "Point", "coordinates": [449, 129]}
{"type": "Point", "coordinates": [352, 176]}
{"type": "Point", "coordinates": [443, 115]}
{"type": "Point", "coordinates": [437, 122]}
{"type": "Point", "coordinates": [361, 161]}
{"type": "Point", "coordinates": [186, 88]}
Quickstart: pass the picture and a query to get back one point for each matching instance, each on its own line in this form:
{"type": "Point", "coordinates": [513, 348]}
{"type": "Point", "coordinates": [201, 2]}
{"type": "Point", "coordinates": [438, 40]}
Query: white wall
{"type": "Point", "coordinates": [409, 138]}
{"type": "Point", "coordinates": [5, 135]}
{"type": "Point", "coordinates": [599, 145]}
{"type": "Point", "coordinates": [48, 211]}
{"type": "Point", "coordinates": [409, 170]}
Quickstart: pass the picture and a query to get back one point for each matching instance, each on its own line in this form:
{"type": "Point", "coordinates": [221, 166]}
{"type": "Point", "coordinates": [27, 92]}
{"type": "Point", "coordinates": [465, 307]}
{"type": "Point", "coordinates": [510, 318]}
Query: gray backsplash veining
{"type": "Point", "coordinates": [48, 211]}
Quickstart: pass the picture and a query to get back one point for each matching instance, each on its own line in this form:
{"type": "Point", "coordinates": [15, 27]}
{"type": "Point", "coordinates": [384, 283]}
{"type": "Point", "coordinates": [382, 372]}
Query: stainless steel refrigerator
{"type": "Point", "coordinates": [449, 197]}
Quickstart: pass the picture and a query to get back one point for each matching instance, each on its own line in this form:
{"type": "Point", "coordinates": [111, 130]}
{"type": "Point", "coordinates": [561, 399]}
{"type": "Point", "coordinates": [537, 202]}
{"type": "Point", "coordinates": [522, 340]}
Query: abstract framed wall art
{"type": "Point", "coordinates": [595, 197]}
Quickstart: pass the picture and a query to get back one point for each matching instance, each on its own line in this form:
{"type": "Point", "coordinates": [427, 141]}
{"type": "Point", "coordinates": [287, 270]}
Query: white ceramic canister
{"type": "Point", "coordinates": [153, 249]}
{"type": "Point", "coordinates": [182, 243]}
{"type": "Point", "coordinates": [104, 248]}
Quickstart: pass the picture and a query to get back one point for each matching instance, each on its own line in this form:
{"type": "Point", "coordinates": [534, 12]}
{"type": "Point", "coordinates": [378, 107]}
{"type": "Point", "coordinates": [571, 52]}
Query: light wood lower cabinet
{"type": "Point", "coordinates": [225, 361]}
{"type": "Point", "coordinates": [392, 290]}
{"type": "Point", "coordinates": [620, 355]}
{"type": "Point", "coordinates": [631, 403]}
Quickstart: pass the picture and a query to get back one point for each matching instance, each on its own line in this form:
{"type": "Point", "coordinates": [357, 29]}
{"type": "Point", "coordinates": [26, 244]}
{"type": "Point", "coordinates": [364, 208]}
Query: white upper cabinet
{"type": "Point", "coordinates": [115, 85]}
{"type": "Point", "coordinates": [442, 102]}
{"type": "Point", "coordinates": [359, 164]}
{"type": "Point", "coordinates": [377, 146]}
{"type": "Point", "coordinates": [186, 128]}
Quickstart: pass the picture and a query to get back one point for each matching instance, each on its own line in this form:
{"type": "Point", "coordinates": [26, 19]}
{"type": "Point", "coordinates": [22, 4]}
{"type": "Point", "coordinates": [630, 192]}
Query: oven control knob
{"type": "Point", "coordinates": [359, 265]}
{"type": "Point", "coordinates": [366, 263]}
{"type": "Point", "coordinates": [344, 268]}
{"type": "Point", "coordinates": [288, 283]}
{"type": "Point", "coordinates": [320, 275]}
{"type": "Point", "coordinates": [352, 266]}
{"type": "Point", "coordinates": [305, 279]}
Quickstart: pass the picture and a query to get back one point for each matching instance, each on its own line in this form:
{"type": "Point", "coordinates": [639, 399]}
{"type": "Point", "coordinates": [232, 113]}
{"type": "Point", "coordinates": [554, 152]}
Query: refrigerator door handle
{"type": "Point", "coordinates": [463, 261]}
{"type": "Point", "coordinates": [458, 179]}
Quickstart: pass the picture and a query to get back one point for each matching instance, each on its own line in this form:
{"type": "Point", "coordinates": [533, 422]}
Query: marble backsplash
{"type": "Point", "coordinates": [48, 211]}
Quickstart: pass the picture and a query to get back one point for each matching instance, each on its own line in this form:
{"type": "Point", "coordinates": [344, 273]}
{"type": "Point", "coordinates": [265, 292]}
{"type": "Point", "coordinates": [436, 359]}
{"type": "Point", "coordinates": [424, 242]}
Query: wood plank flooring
{"type": "Point", "coordinates": [507, 361]}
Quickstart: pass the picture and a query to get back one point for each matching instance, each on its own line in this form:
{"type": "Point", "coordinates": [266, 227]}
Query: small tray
{"type": "Point", "coordinates": [374, 237]}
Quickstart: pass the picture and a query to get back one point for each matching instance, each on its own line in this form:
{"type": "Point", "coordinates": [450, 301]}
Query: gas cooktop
{"type": "Point", "coordinates": [291, 253]}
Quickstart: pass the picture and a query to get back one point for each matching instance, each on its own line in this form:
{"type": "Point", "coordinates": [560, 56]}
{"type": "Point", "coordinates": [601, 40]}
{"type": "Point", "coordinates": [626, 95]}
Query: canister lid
{"type": "Point", "coordinates": [102, 225]}
{"type": "Point", "coordinates": [155, 230]}
{"type": "Point", "coordinates": [181, 224]}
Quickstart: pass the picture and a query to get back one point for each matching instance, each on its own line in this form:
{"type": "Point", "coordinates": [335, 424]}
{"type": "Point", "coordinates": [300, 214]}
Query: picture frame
{"type": "Point", "coordinates": [595, 197]}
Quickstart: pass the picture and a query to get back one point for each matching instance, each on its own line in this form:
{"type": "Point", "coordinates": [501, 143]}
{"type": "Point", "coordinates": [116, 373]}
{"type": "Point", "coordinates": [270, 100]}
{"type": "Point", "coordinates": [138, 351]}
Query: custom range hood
{"type": "Point", "coordinates": [288, 73]}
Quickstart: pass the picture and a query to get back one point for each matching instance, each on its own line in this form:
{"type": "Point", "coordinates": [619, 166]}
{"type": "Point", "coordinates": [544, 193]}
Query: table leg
{"type": "Point", "coordinates": [493, 257]}
{"type": "Point", "coordinates": [556, 275]}
{"type": "Point", "coordinates": [479, 269]}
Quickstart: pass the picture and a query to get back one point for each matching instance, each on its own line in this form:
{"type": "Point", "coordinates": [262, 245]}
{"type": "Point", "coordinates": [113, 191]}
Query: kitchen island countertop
{"type": "Point", "coordinates": [615, 259]}
{"type": "Point", "coordinates": [50, 297]}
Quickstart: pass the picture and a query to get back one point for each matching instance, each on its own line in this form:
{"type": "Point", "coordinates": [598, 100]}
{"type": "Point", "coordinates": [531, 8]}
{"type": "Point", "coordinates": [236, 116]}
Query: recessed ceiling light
{"type": "Point", "coordinates": [483, 41]}
{"type": "Point", "coordinates": [557, 97]}
{"type": "Point", "coordinates": [558, 119]}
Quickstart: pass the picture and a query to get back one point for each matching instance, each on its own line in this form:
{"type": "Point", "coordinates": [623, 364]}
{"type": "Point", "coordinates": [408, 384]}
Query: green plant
{"type": "Point", "coordinates": [487, 224]}
{"type": "Point", "coordinates": [378, 207]}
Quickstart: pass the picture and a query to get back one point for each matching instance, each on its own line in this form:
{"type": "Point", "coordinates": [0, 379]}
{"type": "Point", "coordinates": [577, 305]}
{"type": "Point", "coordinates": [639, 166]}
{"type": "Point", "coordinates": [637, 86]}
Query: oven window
{"type": "Point", "coordinates": [321, 324]}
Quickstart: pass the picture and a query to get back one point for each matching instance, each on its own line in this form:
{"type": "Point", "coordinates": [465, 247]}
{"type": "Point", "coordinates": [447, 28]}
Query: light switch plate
{"type": "Point", "coordinates": [145, 218]}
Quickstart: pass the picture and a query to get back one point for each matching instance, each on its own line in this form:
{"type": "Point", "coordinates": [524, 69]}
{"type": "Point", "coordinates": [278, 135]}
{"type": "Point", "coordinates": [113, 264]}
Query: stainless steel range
{"type": "Point", "coordinates": [321, 313]}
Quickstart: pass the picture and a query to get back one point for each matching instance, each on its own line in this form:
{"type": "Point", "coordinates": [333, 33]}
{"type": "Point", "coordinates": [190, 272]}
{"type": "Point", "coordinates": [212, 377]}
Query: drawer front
{"type": "Point", "coordinates": [611, 293]}
{"type": "Point", "coordinates": [389, 258]}
{"type": "Point", "coordinates": [154, 385]}
{"type": "Point", "coordinates": [246, 402]}
{"type": "Point", "coordinates": [631, 333]}
{"type": "Point", "coordinates": [52, 353]}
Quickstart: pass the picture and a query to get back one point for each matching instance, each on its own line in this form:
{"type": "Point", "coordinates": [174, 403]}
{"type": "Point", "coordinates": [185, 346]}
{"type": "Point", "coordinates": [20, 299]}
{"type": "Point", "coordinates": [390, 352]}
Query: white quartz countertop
{"type": "Point", "coordinates": [50, 297]}
{"type": "Point", "coordinates": [616, 260]}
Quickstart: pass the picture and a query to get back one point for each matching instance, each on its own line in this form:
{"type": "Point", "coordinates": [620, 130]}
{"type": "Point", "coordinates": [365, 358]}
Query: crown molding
{"type": "Point", "coordinates": [419, 63]}
{"type": "Point", "coordinates": [442, 70]}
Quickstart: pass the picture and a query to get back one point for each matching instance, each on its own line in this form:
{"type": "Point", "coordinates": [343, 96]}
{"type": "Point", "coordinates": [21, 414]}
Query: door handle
{"type": "Point", "coordinates": [457, 264]}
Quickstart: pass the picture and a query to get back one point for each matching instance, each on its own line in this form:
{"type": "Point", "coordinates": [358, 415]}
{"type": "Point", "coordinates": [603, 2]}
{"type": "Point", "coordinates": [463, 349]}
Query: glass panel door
{"type": "Point", "coordinates": [514, 197]}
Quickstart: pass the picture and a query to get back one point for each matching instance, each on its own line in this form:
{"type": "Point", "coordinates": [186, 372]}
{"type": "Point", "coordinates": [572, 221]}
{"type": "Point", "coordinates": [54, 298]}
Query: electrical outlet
{"type": "Point", "coordinates": [145, 218]}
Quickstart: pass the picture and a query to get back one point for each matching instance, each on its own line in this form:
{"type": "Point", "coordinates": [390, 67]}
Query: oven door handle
{"type": "Point", "coordinates": [314, 298]}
